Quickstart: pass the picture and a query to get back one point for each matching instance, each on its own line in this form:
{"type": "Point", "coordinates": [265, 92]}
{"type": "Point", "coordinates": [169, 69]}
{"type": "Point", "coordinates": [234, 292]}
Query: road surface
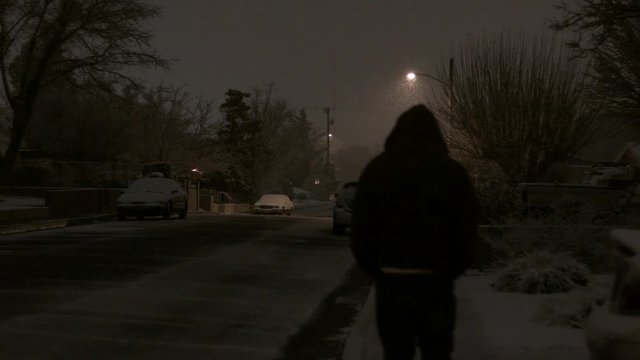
{"type": "Point", "coordinates": [208, 287]}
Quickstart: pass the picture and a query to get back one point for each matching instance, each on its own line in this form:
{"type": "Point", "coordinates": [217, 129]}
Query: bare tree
{"type": "Point", "coordinates": [200, 133]}
{"type": "Point", "coordinates": [594, 22]}
{"type": "Point", "coordinates": [608, 33]}
{"type": "Point", "coordinates": [161, 124]}
{"type": "Point", "coordinates": [518, 101]}
{"type": "Point", "coordinates": [71, 125]}
{"type": "Point", "coordinates": [273, 117]}
{"type": "Point", "coordinates": [86, 43]}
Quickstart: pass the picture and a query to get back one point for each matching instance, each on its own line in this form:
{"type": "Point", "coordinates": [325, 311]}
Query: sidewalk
{"type": "Point", "coordinates": [45, 224]}
{"type": "Point", "coordinates": [490, 325]}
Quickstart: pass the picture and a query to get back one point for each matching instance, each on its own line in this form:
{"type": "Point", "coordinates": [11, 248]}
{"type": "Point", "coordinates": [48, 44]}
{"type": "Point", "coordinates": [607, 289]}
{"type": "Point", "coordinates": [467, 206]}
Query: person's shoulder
{"type": "Point", "coordinates": [456, 165]}
{"type": "Point", "coordinates": [377, 165]}
{"type": "Point", "coordinates": [456, 169]}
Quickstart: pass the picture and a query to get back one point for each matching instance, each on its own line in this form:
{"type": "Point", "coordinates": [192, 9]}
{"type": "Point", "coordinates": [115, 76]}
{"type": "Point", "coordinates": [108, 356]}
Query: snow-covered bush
{"type": "Point", "coordinates": [568, 230]}
{"type": "Point", "coordinates": [542, 273]}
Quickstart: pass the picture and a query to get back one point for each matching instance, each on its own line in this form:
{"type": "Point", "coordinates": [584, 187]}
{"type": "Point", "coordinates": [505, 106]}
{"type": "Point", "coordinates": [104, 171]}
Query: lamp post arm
{"type": "Point", "coordinates": [432, 77]}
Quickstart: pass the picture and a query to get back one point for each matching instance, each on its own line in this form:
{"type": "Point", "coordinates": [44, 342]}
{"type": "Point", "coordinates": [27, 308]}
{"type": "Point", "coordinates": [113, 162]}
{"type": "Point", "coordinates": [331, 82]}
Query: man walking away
{"type": "Point", "coordinates": [413, 229]}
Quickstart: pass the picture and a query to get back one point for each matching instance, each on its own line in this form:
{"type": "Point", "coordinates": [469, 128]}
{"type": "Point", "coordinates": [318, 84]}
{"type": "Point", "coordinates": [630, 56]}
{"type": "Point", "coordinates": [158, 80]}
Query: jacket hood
{"type": "Point", "coordinates": [416, 133]}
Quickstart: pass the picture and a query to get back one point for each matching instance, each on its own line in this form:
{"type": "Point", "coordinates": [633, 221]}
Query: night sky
{"type": "Point", "coordinates": [350, 55]}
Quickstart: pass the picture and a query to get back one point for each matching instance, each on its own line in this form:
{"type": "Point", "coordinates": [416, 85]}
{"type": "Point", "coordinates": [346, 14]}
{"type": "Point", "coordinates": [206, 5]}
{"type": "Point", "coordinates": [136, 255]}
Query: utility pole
{"type": "Point", "coordinates": [450, 90]}
{"type": "Point", "coordinates": [327, 110]}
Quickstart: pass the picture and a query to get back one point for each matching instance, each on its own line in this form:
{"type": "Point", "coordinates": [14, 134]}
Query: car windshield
{"type": "Point", "coordinates": [151, 185]}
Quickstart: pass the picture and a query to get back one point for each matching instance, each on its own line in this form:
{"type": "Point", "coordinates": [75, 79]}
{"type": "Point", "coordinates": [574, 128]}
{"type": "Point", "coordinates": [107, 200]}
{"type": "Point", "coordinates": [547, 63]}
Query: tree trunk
{"type": "Point", "coordinates": [10, 156]}
{"type": "Point", "coordinates": [5, 172]}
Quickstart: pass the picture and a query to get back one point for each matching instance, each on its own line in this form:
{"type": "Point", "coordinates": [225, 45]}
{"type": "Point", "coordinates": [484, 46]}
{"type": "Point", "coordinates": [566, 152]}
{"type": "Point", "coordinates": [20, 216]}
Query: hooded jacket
{"type": "Point", "coordinates": [415, 207]}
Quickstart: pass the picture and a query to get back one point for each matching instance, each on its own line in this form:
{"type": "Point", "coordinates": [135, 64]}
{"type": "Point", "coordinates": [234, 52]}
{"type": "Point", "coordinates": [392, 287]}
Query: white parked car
{"type": "Point", "coordinates": [273, 204]}
{"type": "Point", "coordinates": [343, 207]}
{"type": "Point", "coordinates": [613, 329]}
{"type": "Point", "coordinates": [153, 196]}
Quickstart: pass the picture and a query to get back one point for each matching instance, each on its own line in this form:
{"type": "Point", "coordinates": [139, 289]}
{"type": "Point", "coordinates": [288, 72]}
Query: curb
{"type": "Point", "coordinates": [33, 226]}
{"type": "Point", "coordinates": [357, 343]}
{"type": "Point", "coordinates": [90, 219]}
{"type": "Point", "coordinates": [48, 224]}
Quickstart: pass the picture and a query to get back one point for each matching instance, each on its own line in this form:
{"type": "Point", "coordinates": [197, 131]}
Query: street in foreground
{"type": "Point", "coordinates": [209, 287]}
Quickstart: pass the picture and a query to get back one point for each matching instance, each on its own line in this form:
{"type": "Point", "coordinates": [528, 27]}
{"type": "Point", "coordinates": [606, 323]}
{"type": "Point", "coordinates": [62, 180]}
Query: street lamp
{"type": "Point", "coordinates": [411, 76]}
{"type": "Point", "coordinates": [327, 110]}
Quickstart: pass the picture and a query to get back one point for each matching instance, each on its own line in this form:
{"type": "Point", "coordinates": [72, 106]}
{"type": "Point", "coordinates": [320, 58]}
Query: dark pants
{"type": "Point", "coordinates": [415, 310]}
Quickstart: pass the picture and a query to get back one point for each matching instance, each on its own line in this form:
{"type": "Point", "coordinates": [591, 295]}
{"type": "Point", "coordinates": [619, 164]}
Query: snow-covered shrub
{"type": "Point", "coordinates": [542, 273]}
{"type": "Point", "coordinates": [568, 230]}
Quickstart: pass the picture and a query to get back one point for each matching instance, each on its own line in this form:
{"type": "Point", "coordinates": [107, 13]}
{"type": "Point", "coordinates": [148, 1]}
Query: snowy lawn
{"type": "Point", "coordinates": [517, 323]}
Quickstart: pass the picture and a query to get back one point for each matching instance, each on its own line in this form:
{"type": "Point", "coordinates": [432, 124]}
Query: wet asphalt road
{"type": "Point", "coordinates": [208, 287]}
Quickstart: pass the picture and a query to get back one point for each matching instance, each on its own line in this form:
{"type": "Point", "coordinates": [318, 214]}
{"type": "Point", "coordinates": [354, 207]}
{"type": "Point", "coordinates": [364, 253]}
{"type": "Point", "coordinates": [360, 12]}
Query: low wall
{"type": "Point", "coordinates": [74, 202]}
{"type": "Point", "coordinates": [36, 191]}
{"type": "Point", "coordinates": [545, 194]}
{"type": "Point", "coordinates": [233, 208]}
{"type": "Point", "coordinates": [208, 203]}
{"type": "Point", "coordinates": [24, 214]}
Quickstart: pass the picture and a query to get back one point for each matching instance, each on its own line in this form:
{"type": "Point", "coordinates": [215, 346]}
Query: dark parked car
{"type": "Point", "coordinates": [342, 209]}
{"type": "Point", "coordinates": [154, 196]}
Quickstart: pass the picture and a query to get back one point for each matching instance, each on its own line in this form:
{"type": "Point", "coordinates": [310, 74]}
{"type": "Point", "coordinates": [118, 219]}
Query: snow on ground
{"type": "Point", "coordinates": [8, 202]}
{"type": "Point", "coordinates": [490, 325]}
{"type": "Point", "coordinates": [511, 325]}
{"type": "Point", "coordinates": [509, 321]}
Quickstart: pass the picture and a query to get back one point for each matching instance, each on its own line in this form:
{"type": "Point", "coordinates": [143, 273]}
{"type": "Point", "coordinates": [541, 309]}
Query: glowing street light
{"type": "Point", "coordinates": [411, 76]}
